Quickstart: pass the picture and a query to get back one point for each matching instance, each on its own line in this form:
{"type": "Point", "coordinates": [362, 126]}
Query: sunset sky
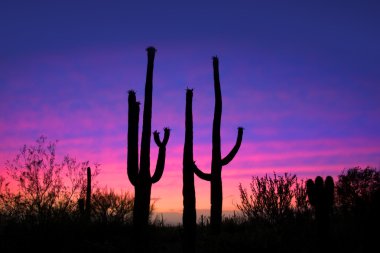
{"type": "Point", "coordinates": [301, 77]}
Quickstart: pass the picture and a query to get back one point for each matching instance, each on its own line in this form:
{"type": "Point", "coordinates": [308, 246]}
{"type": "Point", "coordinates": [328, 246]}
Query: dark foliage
{"type": "Point", "coordinates": [39, 188]}
{"type": "Point", "coordinates": [358, 190]}
{"type": "Point", "coordinates": [273, 200]}
{"type": "Point", "coordinates": [286, 227]}
{"type": "Point", "coordinates": [109, 207]}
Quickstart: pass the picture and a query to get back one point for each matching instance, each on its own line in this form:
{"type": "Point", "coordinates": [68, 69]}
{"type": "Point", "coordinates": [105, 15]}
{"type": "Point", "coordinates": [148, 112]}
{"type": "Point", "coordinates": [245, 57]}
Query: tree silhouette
{"type": "Point", "coordinates": [215, 177]}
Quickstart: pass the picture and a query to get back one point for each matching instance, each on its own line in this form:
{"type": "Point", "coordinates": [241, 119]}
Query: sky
{"type": "Point", "coordinates": [301, 77]}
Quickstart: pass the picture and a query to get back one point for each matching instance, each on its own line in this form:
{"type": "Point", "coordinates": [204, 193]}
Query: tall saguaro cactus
{"type": "Point", "coordinates": [188, 191]}
{"type": "Point", "coordinates": [140, 176]}
{"type": "Point", "coordinates": [215, 177]}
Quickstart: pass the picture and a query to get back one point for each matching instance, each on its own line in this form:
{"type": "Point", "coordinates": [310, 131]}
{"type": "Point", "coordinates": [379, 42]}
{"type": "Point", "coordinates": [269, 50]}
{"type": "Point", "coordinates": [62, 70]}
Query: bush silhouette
{"type": "Point", "coordinates": [272, 199]}
{"type": "Point", "coordinates": [111, 208]}
{"type": "Point", "coordinates": [358, 190]}
{"type": "Point", "coordinates": [48, 189]}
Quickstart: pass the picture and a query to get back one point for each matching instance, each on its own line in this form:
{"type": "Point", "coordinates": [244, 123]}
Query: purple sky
{"type": "Point", "coordinates": [302, 78]}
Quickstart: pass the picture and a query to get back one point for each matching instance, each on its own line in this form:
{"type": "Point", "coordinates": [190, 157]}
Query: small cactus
{"type": "Point", "coordinates": [88, 195]}
{"type": "Point", "coordinates": [84, 205]}
{"type": "Point", "coordinates": [321, 198]}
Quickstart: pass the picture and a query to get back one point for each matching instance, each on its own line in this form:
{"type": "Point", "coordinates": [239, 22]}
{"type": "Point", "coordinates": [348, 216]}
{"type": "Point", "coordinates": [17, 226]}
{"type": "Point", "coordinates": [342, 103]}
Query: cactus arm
{"type": "Point", "coordinates": [226, 160]}
{"type": "Point", "coordinates": [156, 136]}
{"type": "Point", "coordinates": [133, 128]}
{"type": "Point", "coordinates": [201, 174]}
{"type": "Point", "coordinates": [160, 165]}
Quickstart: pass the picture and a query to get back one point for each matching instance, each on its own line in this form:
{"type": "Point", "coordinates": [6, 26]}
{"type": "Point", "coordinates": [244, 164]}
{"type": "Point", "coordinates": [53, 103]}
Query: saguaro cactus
{"type": "Point", "coordinates": [188, 190]}
{"type": "Point", "coordinates": [321, 198]}
{"type": "Point", "coordinates": [141, 178]}
{"type": "Point", "coordinates": [88, 195]}
{"type": "Point", "coordinates": [215, 177]}
{"type": "Point", "coordinates": [85, 205]}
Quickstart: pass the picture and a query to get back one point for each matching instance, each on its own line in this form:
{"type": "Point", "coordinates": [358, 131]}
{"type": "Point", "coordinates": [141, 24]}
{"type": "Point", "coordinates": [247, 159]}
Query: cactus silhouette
{"type": "Point", "coordinates": [188, 191]}
{"type": "Point", "coordinates": [88, 195]}
{"type": "Point", "coordinates": [321, 198]}
{"type": "Point", "coordinates": [140, 176]}
{"type": "Point", "coordinates": [85, 205]}
{"type": "Point", "coordinates": [215, 177]}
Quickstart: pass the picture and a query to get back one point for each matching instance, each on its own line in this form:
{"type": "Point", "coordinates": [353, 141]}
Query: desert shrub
{"type": "Point", "coordinates": [358, 190]}
{"type": "Point", "coordinates": [273, 199]}
{"type": "Point", "coordinates": [39, 187]}
{"type": "Point", "coordinates": [110, 207]}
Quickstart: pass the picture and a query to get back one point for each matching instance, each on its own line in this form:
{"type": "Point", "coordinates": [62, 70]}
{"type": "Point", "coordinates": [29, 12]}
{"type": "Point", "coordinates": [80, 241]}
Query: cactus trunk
{"type": "Point", "coordinates": [188, 190]}
{"type": "Point", "coordinates": [141, 203]}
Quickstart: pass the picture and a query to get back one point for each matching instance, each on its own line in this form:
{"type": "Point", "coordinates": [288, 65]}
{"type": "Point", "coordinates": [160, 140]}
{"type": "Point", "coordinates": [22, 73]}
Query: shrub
{"type": "Point", "coordinates": [358, 190]}
{"type": "Point", "coordinates": [109, 207]}
{"type": "Point", "coordinates": [274, 199]}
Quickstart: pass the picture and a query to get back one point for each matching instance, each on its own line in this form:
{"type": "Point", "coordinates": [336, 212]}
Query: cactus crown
{"type": "Point", "coordinates": [320, 193]}
{"type": "Point", "coordinates": [151, 49]}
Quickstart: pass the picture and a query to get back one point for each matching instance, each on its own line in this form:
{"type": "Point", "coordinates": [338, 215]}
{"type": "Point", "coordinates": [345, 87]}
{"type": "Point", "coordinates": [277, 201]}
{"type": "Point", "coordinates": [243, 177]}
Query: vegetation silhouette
{"type": "Point", "coordinates": [358, 191]}
{"type": "Point", "coordinates": [273, 200]}
{"type": "Point", "coordinates": [85, 204]}
{"type": "Point", "coordinates": [321, 197]}
{"type": "Point", "coordinates": [47, 189]}
{"type": "Point", "coordinates": [358, 204]}
{"type": "Point", "coordinates": [215, 177]}
{"type": "Point", "coordinates": [189, 216]}
{"type": "Point", "coordinates": [140, 176]}
{"type": "Point", "coordinates": [277, 216]}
